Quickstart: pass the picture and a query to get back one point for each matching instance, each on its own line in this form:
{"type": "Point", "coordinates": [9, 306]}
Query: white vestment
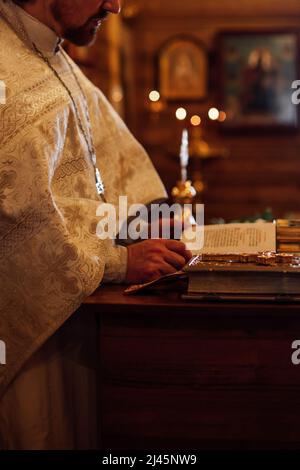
{"type": "Point", "coordinates": [50, 256]}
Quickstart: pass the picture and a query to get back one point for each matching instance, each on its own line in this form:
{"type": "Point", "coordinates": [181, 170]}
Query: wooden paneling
{"type": "Point", "coordinates": [176, 9]}
{"type": "Point", "coordinates": [177, 375]}
{"type": "Point", "coordinates": [262, 171]}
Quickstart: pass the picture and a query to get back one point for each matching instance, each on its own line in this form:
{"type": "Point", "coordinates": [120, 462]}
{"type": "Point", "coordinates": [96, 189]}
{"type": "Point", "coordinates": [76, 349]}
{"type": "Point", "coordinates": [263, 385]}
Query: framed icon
{"type": "Point", "coordinates": [183, 69]}
{"type": "Point", "coordinates": [257, 70]}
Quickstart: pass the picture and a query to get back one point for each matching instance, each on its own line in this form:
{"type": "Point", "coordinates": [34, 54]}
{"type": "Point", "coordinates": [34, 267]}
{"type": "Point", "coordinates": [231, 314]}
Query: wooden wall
{"type": "Point", "coordinates": [262, 171]}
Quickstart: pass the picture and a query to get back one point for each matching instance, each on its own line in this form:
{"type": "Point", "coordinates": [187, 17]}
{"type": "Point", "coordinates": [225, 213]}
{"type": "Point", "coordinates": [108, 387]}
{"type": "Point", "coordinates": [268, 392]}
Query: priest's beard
{"type": "Point", "coordinates": [83, 35]}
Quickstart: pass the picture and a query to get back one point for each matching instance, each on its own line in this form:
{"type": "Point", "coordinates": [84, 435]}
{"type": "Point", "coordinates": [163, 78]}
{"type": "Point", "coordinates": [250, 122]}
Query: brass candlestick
{"type": "Point", "coordinates": [184, 192]}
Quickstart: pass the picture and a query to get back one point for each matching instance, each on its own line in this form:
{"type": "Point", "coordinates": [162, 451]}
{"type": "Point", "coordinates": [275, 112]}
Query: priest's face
{"type": "Point", "coordinates": [79, 20]}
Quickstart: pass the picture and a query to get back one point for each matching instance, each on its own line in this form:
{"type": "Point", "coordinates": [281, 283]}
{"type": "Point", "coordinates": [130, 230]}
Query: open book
{"type": "Point", "coordinates": [246, 238]}
{"type": "Point", "coordinates": [235, 238]}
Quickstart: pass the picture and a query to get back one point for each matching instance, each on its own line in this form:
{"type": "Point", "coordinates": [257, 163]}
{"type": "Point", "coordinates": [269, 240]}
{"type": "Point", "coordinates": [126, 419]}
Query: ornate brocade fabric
{"type": "Point", "coordinates": [50, 256]}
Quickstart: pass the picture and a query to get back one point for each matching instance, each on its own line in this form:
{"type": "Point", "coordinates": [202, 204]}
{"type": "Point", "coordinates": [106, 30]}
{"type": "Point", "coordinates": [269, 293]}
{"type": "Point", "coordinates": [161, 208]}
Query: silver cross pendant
{"type": "Point", "coordinates": [99, 182]}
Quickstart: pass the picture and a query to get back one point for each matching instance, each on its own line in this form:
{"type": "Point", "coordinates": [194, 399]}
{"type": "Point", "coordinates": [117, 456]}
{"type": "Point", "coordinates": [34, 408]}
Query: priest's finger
{"type": "Point", "coordinates": [180, 248]}
{"type": "Point", "coordinates": [174, 259]}
{"type": "Point", "coordinates": [166, 268]}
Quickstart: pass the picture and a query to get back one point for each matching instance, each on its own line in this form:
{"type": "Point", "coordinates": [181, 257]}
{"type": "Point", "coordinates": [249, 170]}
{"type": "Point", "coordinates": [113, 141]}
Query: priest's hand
{"type": "Point", "coordinates": [150, 259]}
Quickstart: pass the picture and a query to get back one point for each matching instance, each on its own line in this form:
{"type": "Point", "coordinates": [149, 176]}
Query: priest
{"type": "Point", "coordinates": [63, 151]}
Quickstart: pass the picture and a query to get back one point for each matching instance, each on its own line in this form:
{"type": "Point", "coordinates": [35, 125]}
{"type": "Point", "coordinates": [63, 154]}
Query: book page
{"type": "Point", "coordinates": [236, 238]}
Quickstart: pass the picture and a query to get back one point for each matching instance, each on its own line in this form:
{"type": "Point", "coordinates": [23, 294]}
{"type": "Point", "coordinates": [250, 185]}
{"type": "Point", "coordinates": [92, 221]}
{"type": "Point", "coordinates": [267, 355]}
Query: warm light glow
{"type": "Point", "coordinates": [222, 116]}
{"type": "Point", "coordinates": [195, 120]}
{"type": "Point", "coordinates": [154, 96]}
{"type": "Point", "coordinates": [181, 114]}
{"type": "Point", "coordinates": [213, 114]}
{"type": "Point", "coordinates": [117, 95]}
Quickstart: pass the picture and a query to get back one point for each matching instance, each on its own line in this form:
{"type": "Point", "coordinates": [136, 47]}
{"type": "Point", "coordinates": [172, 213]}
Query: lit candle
{"type": "Point", "coordinates": [184, 154]}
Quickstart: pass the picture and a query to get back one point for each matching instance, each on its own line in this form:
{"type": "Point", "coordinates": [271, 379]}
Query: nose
{"type": "Point", "coordinates": [113, 6]}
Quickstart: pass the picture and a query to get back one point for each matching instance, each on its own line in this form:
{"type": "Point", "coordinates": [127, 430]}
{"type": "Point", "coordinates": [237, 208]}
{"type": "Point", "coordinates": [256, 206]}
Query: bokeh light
{"type": "Point", "coordinates": [154, 96]}
{"type": "Point", "coordinates": [222, 116]}
{"type": "Point", "coordinates": [181, 114]}
{"type": "Point", "coordinates": [117, 95]}
{"type": "Point", "coordinates": [213, 114]}
{"type": "Point", "coordinates": [195, 120]}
